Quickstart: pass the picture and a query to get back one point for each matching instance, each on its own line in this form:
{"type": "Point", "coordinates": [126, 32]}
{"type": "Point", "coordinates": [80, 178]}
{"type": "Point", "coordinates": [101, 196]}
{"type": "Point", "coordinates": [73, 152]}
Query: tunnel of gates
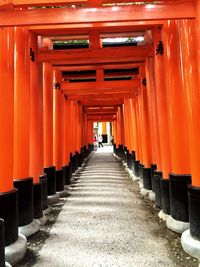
{"type": "Point", "coordinates": [58, 76]}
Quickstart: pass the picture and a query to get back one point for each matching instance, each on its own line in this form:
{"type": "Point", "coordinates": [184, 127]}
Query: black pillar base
{"type": "Point", "coordinates": [136, 168]}
{"type": "Point", "coordinates": [43, 180]}
{"type": "Point", "coordinates": [157, 187]}
{"type": "Point", "coordinates": [194, 211]}
{"type": "Point", "coordinates": [141, 166]}
{"type": "Point", "coordinates": [147, 178]}
{"type": "Point", "coordinates": [153, 168]}
{"type": "Point", "coordinates": [67, 176]}
{"type": "Point", "coordinates": [9, 213]}
{"type": "Point", "coordinates": [165, 197]}
{"type": "Point", "coordinates": [2, 244]}
{"type": "Point", "coordinates": [25, 200]}
{"type": "Point", "coordinates": [37, 201]}
{"type": "Point", "coordinates": [60, 181]}
{"type": "Point", "coordinates": [178, 187]}
{"type": "Point", "coordinates": [51, 180]}
{"type": "Point", "coordinates": [132, 160]}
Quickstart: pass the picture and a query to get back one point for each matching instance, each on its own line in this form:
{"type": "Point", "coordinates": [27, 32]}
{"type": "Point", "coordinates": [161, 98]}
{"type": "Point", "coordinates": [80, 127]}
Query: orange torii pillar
{"type": "Point", "coordinates": [190, 35]}
{"type": "Point", "coordinates": [36, 134]}
{"type": "Point", "coordinates": [161, 176]}
{"type": "Point", "coordinates": [67, 140]}
{"type": "Point", "coordinates": [137, 134]}
{"type": "Point", "coordinates": [130, 156]}
{"type": "Point", "coordinates": [58, 133]}
{"type": "Point", "coordinates": [21, 173]}
{"type": "Point", "coordinates": [49, 168]}
{"type": "Point", "coordinates": [178, 129]}
{"type": "Point", "coordinates": [8, 194]}
{"type": "Point", "coordinates": [144, 114]}
{"type": "Point", "coordinates": [153, 116]}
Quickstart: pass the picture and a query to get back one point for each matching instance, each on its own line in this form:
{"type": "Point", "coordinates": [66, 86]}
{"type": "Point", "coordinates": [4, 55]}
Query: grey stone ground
{"type": "Point", "coordinates": [103, 223]}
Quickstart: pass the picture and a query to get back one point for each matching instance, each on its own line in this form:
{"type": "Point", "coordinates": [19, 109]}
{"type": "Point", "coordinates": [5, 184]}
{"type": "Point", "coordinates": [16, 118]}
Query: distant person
{"type": "Point", "coordinates": [111, 140]}
{"type": "Point", "coordinates": [100, 140]}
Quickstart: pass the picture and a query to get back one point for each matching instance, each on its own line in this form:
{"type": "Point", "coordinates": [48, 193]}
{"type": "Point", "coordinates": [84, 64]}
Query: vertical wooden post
{"type": "Point", "coordinates": [36, 131]}
{"type": "Point", "coordinates": [58, 131]}
{"type": "Point", "coordinates": [8, 196]}
{"type": "Point", "coordinates": [21, 172]}
{"type": "Point", "coordinates": [178, 128]}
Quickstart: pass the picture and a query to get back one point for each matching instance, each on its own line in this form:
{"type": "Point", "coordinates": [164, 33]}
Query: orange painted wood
{"type": "Point", "coordinates": [97, 66]}
{"type": "Point", "coordinates": [139, 130]}
{"type": "Point", "coordinates": [58, 125]}
{"type": "Point", "coordinates": [22, 104]}
{"type": "Point", "coordinates": [178, 124]}
{"type": "Point", "coordinates": [67, 136]}
{"type": "Point", "coordinates": [100, 103]}
{"type": "Point", "coordinates": [104, 128]}
{"type": "Point", "coordinates": [95, 55]}
{"type": "Point", "coordinates": [101, 96]}
{"type": "Point", "coordinates": [48, 114]}
{"type": "Point", "coordinates": [80, 87]}
{"type": "Point", "coordinates": [162, 103]}
{"type": "Point", "coordinates": [191, 83]}
{"type": "Point", "coordinates": [6, 108]}
{"type": "Point", "coordinates": [173, 10]}
{"type": "Point", "coordinates": [153, 113]}
{"type": "Point", "coordinates": [36, 117]}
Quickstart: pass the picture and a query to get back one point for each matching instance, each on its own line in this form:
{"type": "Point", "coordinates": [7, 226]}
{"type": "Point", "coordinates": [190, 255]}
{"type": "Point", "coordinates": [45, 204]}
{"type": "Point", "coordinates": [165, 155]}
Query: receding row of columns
{"type": "Point", "coordinates": [43, 138]}
{"type": "Point", "coordinates": [161, 126]}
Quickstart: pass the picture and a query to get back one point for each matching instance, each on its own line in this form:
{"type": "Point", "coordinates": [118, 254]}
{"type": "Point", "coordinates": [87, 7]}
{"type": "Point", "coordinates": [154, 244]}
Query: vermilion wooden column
{"type": "Point", "coordinates": [58, 131]}
{"type": "Point", "coordinates": [48, 86]}
{"type": "Point", "coordinates": [8, 195]}
{"type": "Point", "coordinates": [146, 132]}
{"type": "Point", "coordinates": [67, 140]}
{"type": "Point", "coordinates": [191, 83]}
{"type": "Point", "coordinates": [21, 171]}
{"type": "Point", "coordinates": [178, 128]}
{"type": "Point", "coordinates": [162, 184]}
{"type": "Point", "coordinates": [36, 132]}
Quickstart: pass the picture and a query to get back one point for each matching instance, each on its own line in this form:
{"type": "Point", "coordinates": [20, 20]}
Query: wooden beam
{"type": "Point", "coordinates": [105, 85]}
{"type": "Point", "coordinates": [100, 103]}
{"type": "Point", "coordinates": [96, 66]}
{"type": "Point", "coordinates": [94, 92]}
{"type": "Point", "coordinates": [85, 28]}
{"type": "Point", "coordinates": [101, 97]}
{"type": "Point", "coordinates": [95, 55]}
{"type": "Point", "coordinates": [42, 16]}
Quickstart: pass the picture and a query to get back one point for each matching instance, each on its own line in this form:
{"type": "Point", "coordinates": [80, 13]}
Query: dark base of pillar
{"type": "Point", "coordinates": [194, 211]}
{"type": "Point", "coordinates": [165, 197]}
{"type": "Point", "coordinates": [37, 201]}
{"type": "Point", "coordinates": [178, 187]}
{"type": "Point", "coordinates": [9, 213]}
{"type": "Point", "coordinates": [153, 168]}
{"type": "Point", "coordinates": [147, 178]}
{"type": "Point", "coordinates": [66, 170]}
{"type": "Point", "coordinates": [157, 187]}
{"type": "Point", "coordinates": [141, 166]}
{"type": "Point", "coordinates": [60, 181]}
{"type": "Point", "coordinates": [43, 180]}
{"type": "Point", "coordinates": [2, 244]}
{"type": "Point", "coordinates": [132, 160]}
{"type": "Point", "coordinates": [25, 200]}
{"type": "Point", "coordinates": [51, 180]}
{"type": "Point", "coordinates": [136, 168]}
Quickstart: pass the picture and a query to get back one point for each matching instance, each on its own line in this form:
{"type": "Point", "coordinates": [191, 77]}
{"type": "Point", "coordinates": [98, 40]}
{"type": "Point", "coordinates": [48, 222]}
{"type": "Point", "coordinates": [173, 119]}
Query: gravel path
{"type": "Point", "coordinates": [104, 224]}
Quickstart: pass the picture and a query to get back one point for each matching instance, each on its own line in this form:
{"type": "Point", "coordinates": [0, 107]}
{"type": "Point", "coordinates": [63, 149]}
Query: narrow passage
{"type": "Point", "coordinates": [103, 223]}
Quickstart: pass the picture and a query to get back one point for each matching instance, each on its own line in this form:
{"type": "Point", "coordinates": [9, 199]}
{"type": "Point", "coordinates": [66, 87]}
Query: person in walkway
{"type": "Point", "coordinates": [100, 140]}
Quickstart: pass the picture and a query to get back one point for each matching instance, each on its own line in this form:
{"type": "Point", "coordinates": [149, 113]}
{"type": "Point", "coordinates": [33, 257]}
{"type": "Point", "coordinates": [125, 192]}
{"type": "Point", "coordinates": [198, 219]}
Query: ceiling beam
{"type": "Point", "coordinates": [95, 55]}
{"type": "Point", "coordinates": [99, 66]}
{"type": "Point", "coordinates": [42, 16]}
{"type": "Point", "coordinates": [108, 97]}
{"type": "Point", "coordinates": [101, 103]}
{"type": "Point", "coordinates": [105, 85]}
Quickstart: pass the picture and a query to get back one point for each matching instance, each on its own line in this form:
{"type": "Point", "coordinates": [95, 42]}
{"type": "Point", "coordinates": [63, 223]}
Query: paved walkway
{"type": "Point", "coordinates": [103, 223]}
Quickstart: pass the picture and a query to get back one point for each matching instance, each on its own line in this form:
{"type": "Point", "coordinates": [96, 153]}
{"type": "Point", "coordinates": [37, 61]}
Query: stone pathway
{"type": "Point", "coordinates": [103, 223]}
